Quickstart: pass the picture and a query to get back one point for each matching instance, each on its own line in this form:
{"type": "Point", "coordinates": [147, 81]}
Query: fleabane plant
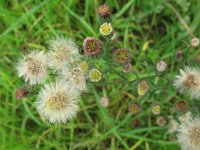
{"type": "Point", "coordinates": [63, 75]}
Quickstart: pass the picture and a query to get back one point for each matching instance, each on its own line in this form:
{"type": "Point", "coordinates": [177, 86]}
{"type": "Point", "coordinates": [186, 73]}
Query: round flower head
{"type": "Point", "coordinates": [160, 121]}
{"type": "Point", "coordinates": [84, 66]}
{"type": "Point", "coordinates": [62, 52]}
{"type": "Point", "coordinates": [161, 66]}
{"type": "Point", "coordinates": [179, 53]}
{"type": "Point", "coordinates": [182, 105]}
{"type": "Point", "coordinates": [122, 56]}
{"type": "Point", "coordinates": [32, 67]}
{"type": "Point", "coordinates": [106, 29]}
{"type": "Point", "coordinates": [57, 103]}
{"type": "Point", "coordinates": [134, 108]}
{"type": "Point", "coordinates": [104, 10]}
{"type": "Point", "coordinates": [104, 101]}
{"type": "Point", "coordinates": [143, 87]}
{"type": "Point", "coordinates": [75, 77]}
{"type": "Point", "coordinates": [21, 92]}
{"type": "Point", "coordinates": [156, 109]}
{"type": "Point", "coordinates": [92, 46]}
{"type": "Point", "coordinates": [188, 82]}
{"type": "Point", "coordinates": [195, 42]}
{"type": "Point", "coordinates": [95, 75]}
{"type": "Point", "coordinates": [189, 134]}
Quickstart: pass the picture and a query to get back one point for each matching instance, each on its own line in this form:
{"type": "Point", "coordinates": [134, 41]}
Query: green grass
{"type": "Point", "coordinates": [149, 29]}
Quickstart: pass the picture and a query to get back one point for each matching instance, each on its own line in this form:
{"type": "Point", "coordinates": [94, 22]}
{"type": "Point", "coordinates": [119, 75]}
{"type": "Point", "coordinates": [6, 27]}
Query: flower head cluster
{"type": "Point", "coordinates": [104, 10]}
{"type": "Point", "coordinates": [57, 102]}
{"type": "Point", "coordinates": [188, 82]}
{"type": "Point", "coordinates": [189, 134]}
{"type": "Point", "coordinates": [92, 46]}
{"type": "Point", "coordinates": [32, 67]}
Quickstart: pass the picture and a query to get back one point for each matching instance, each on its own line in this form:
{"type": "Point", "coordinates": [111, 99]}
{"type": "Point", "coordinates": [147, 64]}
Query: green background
{"type": "Point", "coordinates": [141, 25]}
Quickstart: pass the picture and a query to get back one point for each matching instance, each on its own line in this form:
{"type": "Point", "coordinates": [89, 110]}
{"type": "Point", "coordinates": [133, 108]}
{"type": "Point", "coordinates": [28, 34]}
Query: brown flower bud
{"type": "Point", "coordinates": [179, 53]}
{"type": "Point", "coordinates": [21, 92]}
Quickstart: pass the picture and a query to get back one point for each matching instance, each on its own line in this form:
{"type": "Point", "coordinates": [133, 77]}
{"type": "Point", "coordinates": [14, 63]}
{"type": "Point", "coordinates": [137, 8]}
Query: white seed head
{"type": "Point", "coordinates": [172, 125]}
{"type": "Point", "coordinates": [185, 117]}
{"type": "Point", "coordinates": [57, 103]}
{"type": "Point", "coordinates": [195, 42]}
{"type": "Point", "coordinates": [189, 134]}
{"type": "Point", "coordinates": [62, 52]}
{"type": "Point", "coordinates": [32, 67]}
{"type": "Point", "coordinates": [75, 77]}
{"type": "Point", "coordinates": [188, 82]}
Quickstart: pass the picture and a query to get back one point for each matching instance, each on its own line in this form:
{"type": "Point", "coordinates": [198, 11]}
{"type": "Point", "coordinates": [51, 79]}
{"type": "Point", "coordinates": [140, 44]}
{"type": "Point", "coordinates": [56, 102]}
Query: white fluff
{"type": "Point", "coordinates": [75, 77]}
{"type": "Point", "coordinates": [188, 82]}
{"type": "Point", "coordinates": [32, 67]}
{"type": "Point", "coordinates": [62, 52]}
{"type": "Point", "coordinates": [57, 103]}
{"type": "Point", "coordinates": [189, 134]}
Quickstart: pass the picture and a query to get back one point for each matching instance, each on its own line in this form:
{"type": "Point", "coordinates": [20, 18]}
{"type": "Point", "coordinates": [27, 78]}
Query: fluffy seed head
{"type": "Point", "coordinates": [92, 46]}
{"type": "Point", "coordinates": [57, 103]}
{"type": "Point", "coordinates": [95, 75]}
{"type": "Point", "coordinates": [76, 78]}
{"type": "Point", "coordinates": [185, 117]}
{"type": "Point", "coordinates": [104, 10]}
{"type": "Point", "coordinates": [188, 82]}
{"type": "Point", "coordinates": [32, 67]}
{"type": "Point", "coordinates": [62, 52]}
{"type": "Point", "coordinates": [195, 42]}
{"type": "Point", "coordinates": [189, 134]}
{"type": "Point", "coordinates": [106, 29]}
{"type": "Point", "coordinates": [122, 56]}
{"type": "Point", "coordinates": [161, 66]}
{"type": "Point", "coordinates": [172, 125]}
